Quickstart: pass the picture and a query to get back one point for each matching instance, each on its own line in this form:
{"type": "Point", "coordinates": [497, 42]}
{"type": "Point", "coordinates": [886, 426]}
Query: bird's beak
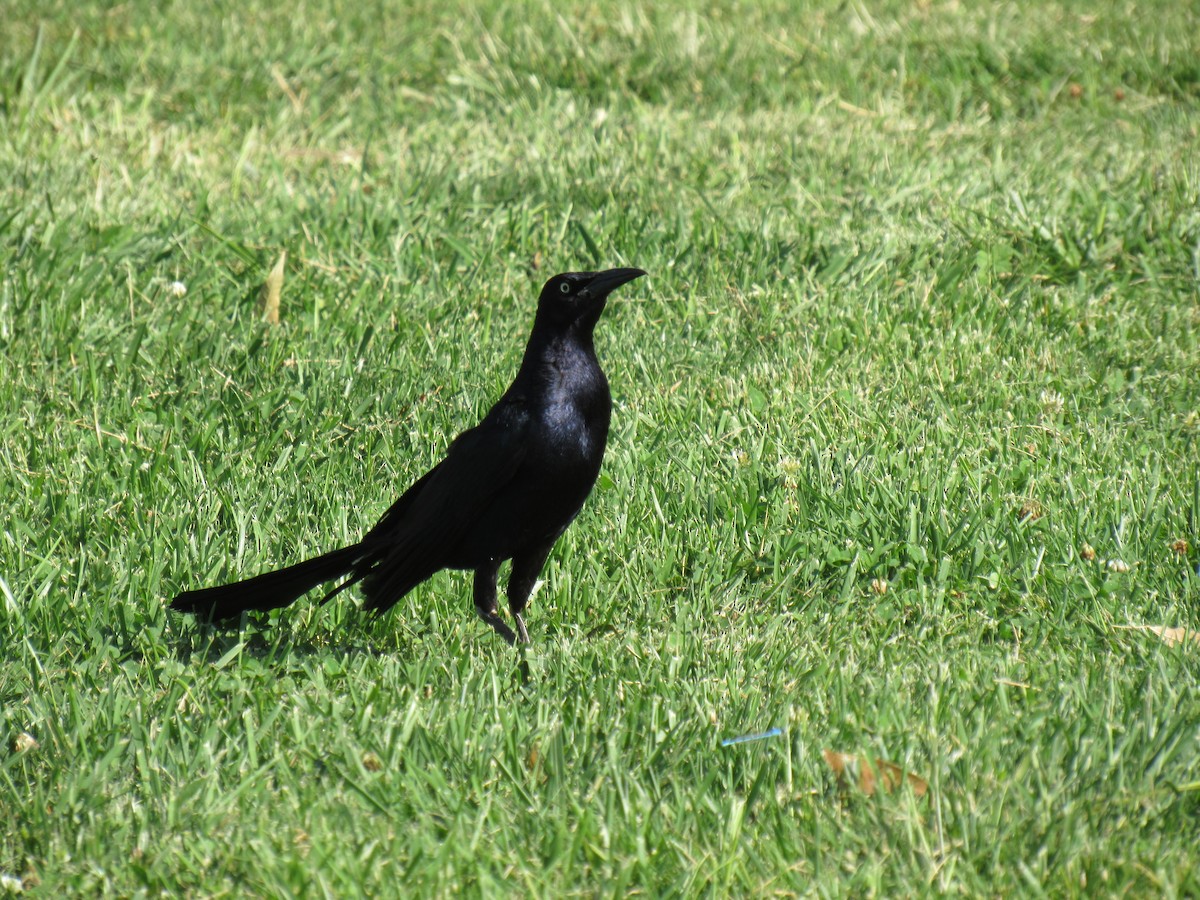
{"type": "Point", "coordinates": [606, 282]}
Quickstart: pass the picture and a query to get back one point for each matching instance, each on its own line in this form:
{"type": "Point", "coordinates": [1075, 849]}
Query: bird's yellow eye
{"type": "Point", "coordinates": [565, 288]}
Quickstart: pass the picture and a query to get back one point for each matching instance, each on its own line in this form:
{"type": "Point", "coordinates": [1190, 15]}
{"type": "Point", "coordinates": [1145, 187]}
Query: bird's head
{"type": "Point", "coordinates": [576, 299]}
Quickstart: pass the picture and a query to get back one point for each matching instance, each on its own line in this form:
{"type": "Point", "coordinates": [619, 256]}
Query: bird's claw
{"type": "Point", "coordinates": [522, 634]}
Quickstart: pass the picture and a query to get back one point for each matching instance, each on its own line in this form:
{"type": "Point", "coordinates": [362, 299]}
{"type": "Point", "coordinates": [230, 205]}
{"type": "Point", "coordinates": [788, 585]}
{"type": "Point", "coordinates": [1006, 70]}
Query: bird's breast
{"type": "Point", "coordinates": [572, 435]}
{"type": "Point", "coordinates": [564, 432]}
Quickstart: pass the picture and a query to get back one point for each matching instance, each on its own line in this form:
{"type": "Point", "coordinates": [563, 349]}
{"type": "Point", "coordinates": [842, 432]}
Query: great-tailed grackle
{"type": "Point", "coordinates": [506, 489]}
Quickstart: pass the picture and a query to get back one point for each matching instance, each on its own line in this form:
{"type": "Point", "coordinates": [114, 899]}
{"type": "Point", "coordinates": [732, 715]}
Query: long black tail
{"type": "Point", "coordinates": [270, 590]}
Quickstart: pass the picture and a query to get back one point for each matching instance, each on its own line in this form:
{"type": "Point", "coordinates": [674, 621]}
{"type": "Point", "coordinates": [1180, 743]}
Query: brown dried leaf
{"type": "Point", "coordinates": [271, 289]}
{"type": "Point", "coordinates": [1172, 637]}
{"type": "Point", "coordinates": [874, 776]}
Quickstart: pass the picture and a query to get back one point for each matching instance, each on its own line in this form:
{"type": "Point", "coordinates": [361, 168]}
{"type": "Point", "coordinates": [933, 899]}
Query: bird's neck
{"type": "Point", "coordinates": [553, 360]}
{"type": "Point", "coordinates": [574, 346]}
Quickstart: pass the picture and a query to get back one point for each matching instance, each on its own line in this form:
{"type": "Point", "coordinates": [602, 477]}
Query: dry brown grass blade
{"type": "Point", "coordinates": [271, 290]}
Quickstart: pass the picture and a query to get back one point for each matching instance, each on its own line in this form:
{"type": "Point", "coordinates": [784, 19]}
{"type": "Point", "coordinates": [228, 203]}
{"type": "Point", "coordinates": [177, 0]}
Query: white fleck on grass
{"type": "Point", "coordinates": [1052, 402]}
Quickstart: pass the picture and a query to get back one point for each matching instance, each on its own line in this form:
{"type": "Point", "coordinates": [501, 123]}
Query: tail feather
{"type": "Point", "coordinates": [386, 585]}
{"type": "Point", "coordinates": [270, 590]}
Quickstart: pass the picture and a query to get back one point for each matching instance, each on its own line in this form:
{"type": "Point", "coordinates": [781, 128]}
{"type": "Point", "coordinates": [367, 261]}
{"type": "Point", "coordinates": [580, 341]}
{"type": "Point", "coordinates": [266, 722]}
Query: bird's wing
{"type": "Point", "coordinates": [415, 537]}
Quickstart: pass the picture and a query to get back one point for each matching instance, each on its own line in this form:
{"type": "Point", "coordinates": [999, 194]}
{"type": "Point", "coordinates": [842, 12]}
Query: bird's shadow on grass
{"type": "Point", "coordinates": [271, 640]}
{"type": "Point", "coordinates": [271, 643]}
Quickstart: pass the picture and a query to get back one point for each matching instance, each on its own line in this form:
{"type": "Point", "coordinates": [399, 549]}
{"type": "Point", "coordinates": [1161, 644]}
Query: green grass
{"type": "Point", "coordinates": [923, 312]}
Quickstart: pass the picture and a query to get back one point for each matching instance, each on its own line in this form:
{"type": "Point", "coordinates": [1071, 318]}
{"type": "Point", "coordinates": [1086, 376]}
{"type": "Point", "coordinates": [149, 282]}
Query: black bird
{"type": "Point", "coordinates": [506, 490]}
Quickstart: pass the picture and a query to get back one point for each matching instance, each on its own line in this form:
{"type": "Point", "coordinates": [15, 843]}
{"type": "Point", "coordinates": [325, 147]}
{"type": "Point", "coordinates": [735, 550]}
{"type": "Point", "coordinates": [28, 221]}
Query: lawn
{"type": "Point", "coordinates": [903, 460]}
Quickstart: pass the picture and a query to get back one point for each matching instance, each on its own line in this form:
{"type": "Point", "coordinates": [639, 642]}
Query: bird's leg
{"type": "Point", "coordinates": [525, 570]}
{"type": "Point", "coordinates": [485, 599]}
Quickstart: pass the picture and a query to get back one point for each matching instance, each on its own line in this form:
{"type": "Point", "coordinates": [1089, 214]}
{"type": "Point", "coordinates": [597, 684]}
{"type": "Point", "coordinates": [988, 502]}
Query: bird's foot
{"type": "Point", "coordinates": [492, 617]}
